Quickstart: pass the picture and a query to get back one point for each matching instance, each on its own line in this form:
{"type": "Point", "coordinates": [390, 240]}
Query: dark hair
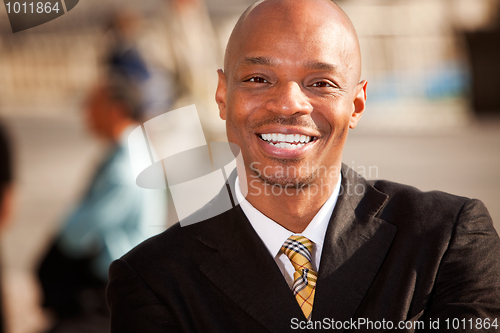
{"type": "Point", "coordinates": [123, 90]}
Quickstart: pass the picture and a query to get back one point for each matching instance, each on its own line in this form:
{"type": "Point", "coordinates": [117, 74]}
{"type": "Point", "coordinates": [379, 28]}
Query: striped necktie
{"type": "Point", "coordinates": [298, 249]}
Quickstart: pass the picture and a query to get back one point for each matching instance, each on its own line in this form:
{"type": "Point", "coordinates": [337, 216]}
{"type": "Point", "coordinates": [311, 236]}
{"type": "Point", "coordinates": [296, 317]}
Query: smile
{"type": "Point", "coordinates": [286, 141]}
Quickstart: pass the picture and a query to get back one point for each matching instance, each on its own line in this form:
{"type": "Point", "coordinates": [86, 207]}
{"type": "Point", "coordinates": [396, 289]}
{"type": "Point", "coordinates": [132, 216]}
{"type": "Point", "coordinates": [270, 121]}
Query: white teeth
{"type": "Point", "coordinates": [290, 138]}
{"type": "Point", "coordinates": [285, 145]}
{"type": "Point", "coordinates": [287, 141]}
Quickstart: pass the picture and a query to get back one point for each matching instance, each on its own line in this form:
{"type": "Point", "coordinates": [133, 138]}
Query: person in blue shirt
{"type": "Point", "coordinates": [113, 216]}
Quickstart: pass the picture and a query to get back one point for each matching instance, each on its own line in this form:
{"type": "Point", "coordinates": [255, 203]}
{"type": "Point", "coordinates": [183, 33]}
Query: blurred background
{"type": "Point", "coordinates": [432, 120]}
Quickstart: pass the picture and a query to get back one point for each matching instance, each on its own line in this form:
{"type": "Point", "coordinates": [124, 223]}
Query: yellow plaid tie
{"type": "Point", "coordinates": [299, 249]}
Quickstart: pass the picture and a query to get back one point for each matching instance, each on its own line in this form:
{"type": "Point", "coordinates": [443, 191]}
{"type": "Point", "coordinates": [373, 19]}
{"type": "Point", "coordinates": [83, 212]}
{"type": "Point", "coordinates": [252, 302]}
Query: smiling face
{"type": "Point", "coordinates": [291, 90]}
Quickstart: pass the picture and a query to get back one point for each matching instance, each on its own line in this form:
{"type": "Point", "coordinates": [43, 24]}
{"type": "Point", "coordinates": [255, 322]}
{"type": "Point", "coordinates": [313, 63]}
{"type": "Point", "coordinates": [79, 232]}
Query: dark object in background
{"type": "Point", "coordinates": [484, 54]}
{"type": "Point", "coordinates": [68, 286]}
{"type": "Point", "coordinates": [76, 297]}
{"type": "Point", "coordinates": [6, 178]}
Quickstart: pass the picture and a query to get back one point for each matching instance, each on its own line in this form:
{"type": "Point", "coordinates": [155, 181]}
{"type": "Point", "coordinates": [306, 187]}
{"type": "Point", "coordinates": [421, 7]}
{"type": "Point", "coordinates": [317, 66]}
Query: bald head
{"type": "Point", "coordinates": [292, 70]}
{"type": "Point", "coordinates": [297, 20]}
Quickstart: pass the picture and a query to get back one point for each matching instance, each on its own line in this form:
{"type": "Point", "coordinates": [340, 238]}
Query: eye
{"type": "Point", "coordinates": [257, 79]}
{"type": "Point", "coordinates": [322, 84]}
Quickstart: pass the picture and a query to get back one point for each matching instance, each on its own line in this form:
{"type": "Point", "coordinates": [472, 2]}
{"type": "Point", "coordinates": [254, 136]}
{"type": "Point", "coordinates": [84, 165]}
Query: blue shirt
{"type": "Point", "coordinates": [114, 215]}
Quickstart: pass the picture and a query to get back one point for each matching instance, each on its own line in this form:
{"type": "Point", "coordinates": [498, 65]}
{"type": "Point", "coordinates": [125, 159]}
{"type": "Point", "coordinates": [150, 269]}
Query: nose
{"type": "Point", "coordinates": [289, 99]}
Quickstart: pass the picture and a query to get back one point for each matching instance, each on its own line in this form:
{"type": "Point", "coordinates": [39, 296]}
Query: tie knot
{"type": "Point", "coordinates": [299, 250]}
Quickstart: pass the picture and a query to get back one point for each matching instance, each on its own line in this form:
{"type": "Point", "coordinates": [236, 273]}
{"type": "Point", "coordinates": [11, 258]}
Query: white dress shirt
{"type": "Point", "coordinates": [274, 235]}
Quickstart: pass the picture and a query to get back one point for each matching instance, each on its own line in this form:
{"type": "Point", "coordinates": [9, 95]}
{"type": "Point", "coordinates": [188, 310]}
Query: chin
{"type": "Point", "coordinates": [287, 181]}
{"type": "Point", "coordinates": [282, 173]}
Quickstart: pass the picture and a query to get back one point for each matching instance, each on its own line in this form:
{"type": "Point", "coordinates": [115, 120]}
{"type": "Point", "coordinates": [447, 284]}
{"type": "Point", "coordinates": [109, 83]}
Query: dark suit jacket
{"type": "Point", "coordinates": [391, 253]}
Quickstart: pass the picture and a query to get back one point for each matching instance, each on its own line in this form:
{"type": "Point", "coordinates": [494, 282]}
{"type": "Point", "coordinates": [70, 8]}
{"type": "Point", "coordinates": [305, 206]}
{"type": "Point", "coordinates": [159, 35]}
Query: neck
{"type": "Point", "coordinates": [292, 208]}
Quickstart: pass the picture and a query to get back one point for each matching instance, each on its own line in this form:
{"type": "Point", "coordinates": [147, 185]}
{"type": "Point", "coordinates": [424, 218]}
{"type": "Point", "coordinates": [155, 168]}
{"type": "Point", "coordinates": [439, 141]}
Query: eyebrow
{"type": "Point", "coordinates": [265, 61]}
{"type": "Point", "coordinates": [314, 65]}
{"type": "Point", "coordinates": [317, 65]}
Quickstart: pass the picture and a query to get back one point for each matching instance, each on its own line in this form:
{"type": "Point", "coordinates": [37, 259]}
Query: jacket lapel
{"type": "Point", "coordinates": [244, 270]}
{"type": "Point", "coordinates": [356, 244]}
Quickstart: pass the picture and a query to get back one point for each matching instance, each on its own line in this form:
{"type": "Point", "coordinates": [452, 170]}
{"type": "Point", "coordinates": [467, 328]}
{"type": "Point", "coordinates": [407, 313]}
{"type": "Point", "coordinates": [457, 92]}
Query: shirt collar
{"type": "Point", "coordinates": [274, 235]}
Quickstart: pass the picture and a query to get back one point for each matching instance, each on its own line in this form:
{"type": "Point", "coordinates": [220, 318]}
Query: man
{"type": "Point", "coordinates": [313, 245]}
{"type": "Point", "coordinates": [113, 216]}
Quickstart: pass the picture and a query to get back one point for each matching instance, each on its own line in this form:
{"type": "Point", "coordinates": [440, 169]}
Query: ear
{"type": "Point", "coordinates": [220, 94]}
{"type": "Point", "coordinates": [359, 104]}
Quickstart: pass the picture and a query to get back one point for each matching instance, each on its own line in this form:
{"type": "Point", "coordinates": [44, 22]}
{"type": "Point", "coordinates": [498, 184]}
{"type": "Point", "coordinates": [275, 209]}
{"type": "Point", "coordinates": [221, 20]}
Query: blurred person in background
{"type": "Point", "coordinates": [126, 57]}
{"type": "Point", "coordinates": [6, 180]}
{"type": "Point", "coordinates": [113, 216]}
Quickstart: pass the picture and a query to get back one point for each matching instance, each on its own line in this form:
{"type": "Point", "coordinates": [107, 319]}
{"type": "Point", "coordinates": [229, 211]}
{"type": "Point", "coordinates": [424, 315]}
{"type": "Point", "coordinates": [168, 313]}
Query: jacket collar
{"type": "Point", "coordinates": [356, 244]}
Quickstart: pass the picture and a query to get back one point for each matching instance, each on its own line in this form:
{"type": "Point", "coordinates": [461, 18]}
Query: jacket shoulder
{"type": "Point", "coordinates": [419, 211]}
{"type": "Point", "coordinates": [412, 198]}
{"type": "Point", "coordinates": [178, 245]}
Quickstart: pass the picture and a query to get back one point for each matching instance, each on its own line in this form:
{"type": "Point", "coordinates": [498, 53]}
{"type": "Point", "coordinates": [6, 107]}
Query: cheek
{"type": "Point", "coordinates": [332, 117]}
{"type": "Point", "coordinates": [239, 112]}
{"type": "Point", "coordinates": [235, 127]}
